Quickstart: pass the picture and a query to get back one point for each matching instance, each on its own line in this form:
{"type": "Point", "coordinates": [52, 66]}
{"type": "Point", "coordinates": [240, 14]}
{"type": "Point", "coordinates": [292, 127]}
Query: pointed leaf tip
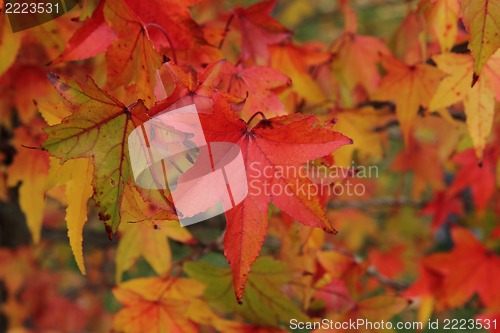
{"type": "Point", "coordinates": [475, 78]}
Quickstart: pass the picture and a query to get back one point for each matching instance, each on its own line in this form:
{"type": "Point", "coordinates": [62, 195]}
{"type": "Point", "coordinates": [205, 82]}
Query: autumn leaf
{"type": "Point", "coordinates": [286, 93]}
{"type": "Point", "coordinates": [480, 179]}
{"type": "Point", "coordinates": [15, 267]}
{"type": "Point", "coordinates": [442, 21]}
{"type": "Point", "coordinates": [91, 38]}
{"type": "Point", "coordinates": [91, 132]}
{"type": "Point", "coordinates": [335, 263]}
{"type": "Point", "coordinates": [175, 18]}
{"type": "Point", "coordinates": [47, 308]}
{"type": "Point", "coordinates": [469, 268]}
{"type": "Point", "coordinates": [258, 86]}
{"type": "Point", "coordinates": [481, 19]}
{"type": "Point", "coordinates": [296, 61]}
{"type": "Point", "coordinates": [32, 81]}
{"type": "Point", "coordinates": [265, 302]}
{"type": "Point", "coordinates": [409, 42]}
{"type": "Point", "coordinates": [420, 158]}
{"type": "Point", "coordinates": [354, 227]}
{"type": "Point", "coordinates": [424, 290]}
{"type": "Point", "coordinates": [78, 188]}
{"type": "Point", "coordinates": [76, 175]}
{"type": "Point", "coordinates": [390, 262]}
{"type": "Point", "coordinates": [479, 101]}
{"type": "Point", "coordinates": [375, 309]}
{"type": "Point", "coordinates": [31, 168]}
{"type": "Point", "coordinates": [442, 205]}
{"type": "Point", "coordinates": [156, 305]}
{"type": "Point", "coordinates": [360, 125]}
{"type": "Point", "coordinates": [259, 30]}
{"type": "Point", "coordinates": [272, 143]}
{"type": "Point", "coordinates": [145, 234]}
{"type": "Point", "coordinates": [132, 59]}
{"type": "Point", "coordinates": [9, 45]}
{"type": "Point", "coordinates": [191, 87]}
{"type": "Point", "coordinates": [355, 57]}
{"type": "Point", "coordinates": [409, 87]}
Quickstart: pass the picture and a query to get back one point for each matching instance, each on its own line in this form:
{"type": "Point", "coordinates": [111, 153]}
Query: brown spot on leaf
{"type": "Point", "coordinates": [109, 231]}
{"type": "Point", "coordinates": [104, 217]}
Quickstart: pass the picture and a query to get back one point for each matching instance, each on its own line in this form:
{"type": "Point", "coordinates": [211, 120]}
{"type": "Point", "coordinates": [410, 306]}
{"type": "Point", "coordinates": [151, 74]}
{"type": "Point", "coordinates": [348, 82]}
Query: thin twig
{"type": "Point", "coordinates": [398, 286]}
{"type": "Point", "coordinates": [376, 202]}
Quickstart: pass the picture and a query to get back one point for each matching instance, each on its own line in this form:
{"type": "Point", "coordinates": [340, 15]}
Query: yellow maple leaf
{"type": "Point", "coordinates": [479, 100]}
{"type": "Point", "coordinates": [30, 167]}
{"type": "Point", "coordinates": [156, 305]}
{"type": "Point", "coordinates": [481, 19]}
{"type": "Point", "coordinates": [409, 87]}
{"type": "Point", "coordinates": [76, 175]}
{"type": "Point", "coordinates": [148, 236]}
{"type": "Point", "coordinates": [441, 20]}
{"type": "Point", "coordinates": [359, 125]}
{"type": "Point", "coordinates": [295, 62]}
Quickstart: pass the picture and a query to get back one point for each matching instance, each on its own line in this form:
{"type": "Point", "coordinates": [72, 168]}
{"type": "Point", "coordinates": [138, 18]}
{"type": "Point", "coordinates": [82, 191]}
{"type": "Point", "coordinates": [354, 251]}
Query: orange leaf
{"type": "Point", "coordinates": [355, 59]}
{"type": "Point", "coordinates": [31, 168]}
{"type": "Point", "coordinates": [409, 87]}
{"type": "Point", "coordinates": [421, 158]}
{"type": "Point", "coordinates": [467, 269]}
{"type": "Point", "coordinates": [156, 305]}
{"type": "Point", "coordinates": [132, 59]}
{"type": "Point", "coordinates": [296, 61]}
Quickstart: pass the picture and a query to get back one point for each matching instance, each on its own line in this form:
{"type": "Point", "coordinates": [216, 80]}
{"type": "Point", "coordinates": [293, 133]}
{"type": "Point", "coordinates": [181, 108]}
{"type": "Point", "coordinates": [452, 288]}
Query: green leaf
{"type": "Point", "coordinates": [265, 302]}
{"type": "Point", "coordinates": [99, 128]}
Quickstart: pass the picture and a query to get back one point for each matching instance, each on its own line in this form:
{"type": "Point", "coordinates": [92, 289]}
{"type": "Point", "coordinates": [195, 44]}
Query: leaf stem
{"type": "Point", "coordinates": [255, 114]}
{"type": "Point", "coordinates": [169, 39]}
{"type": "Point", "coordinates": [32, 148]}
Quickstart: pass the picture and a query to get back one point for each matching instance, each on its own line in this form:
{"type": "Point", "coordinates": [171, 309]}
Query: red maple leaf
{"type": "Point", "coordinates": [269, 147]}
{"type": "Point", "coordinates": [258, 30]}
{"type": "Point", "coordinates": [441, 206]}
{"type": "Point", "coordinates": [479, 177]}
{"type": "Point", "coordinates": [468, 269]}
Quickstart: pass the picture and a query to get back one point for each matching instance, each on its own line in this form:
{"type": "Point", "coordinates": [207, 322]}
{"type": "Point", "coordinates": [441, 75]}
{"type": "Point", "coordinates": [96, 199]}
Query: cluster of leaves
{"type": "Point", "coordinates": [419, 106]}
